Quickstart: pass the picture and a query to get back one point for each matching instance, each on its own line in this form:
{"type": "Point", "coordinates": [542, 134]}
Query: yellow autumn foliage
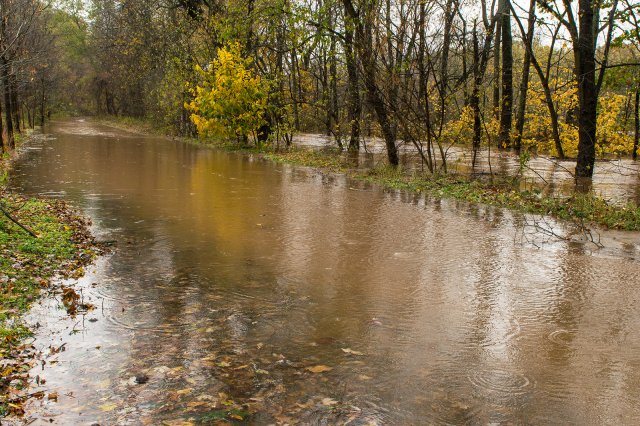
{"type": "Point", "coordinates": [231, 99]}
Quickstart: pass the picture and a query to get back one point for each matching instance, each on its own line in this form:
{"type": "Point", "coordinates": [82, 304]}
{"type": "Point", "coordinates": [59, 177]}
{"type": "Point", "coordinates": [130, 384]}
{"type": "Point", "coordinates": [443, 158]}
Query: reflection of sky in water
{"type": "Point", "coordinates": [233, 275]}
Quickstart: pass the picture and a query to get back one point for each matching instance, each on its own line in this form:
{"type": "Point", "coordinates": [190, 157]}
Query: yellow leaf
{"type": "Point", "coordinates": [319, 368]}
{"type": "Point", "coordinates": [108, 407]}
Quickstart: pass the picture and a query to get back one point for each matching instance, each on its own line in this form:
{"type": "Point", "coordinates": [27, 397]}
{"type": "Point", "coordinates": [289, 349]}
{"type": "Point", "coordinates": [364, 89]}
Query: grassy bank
{"type": "Point", "coordinates": [499, 192]}
{"type": "Point", "coordinates": [62, 246]}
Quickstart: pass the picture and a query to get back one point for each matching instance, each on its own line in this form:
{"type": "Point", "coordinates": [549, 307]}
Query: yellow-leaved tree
{"type": "Point", "coordinates": [231, 99]}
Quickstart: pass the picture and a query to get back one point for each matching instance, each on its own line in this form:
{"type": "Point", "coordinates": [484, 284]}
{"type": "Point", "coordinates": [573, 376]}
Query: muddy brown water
{"type": "Point", "coordinates": [231, 276]}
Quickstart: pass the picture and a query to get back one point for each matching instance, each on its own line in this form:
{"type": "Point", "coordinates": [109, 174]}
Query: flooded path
{"type": "Point", "coordinates": [317, 300]}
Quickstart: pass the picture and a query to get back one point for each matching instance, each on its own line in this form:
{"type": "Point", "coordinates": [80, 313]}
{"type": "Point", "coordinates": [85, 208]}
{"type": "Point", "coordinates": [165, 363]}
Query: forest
{"type": "Point", "coordinates": [557, 78]}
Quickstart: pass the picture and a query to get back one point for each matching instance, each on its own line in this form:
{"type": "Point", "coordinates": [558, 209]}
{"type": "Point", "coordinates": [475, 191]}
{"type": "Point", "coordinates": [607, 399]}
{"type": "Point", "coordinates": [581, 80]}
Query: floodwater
{"type": "Point", "coordinates": [616, 180]}
{"type": "Point", "coordinates": [237, 285]}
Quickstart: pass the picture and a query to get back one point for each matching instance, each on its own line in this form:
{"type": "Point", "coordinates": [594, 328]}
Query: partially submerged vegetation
{"type": "Point", "coordinates": [39, 240]}
{"type": "Point", "coordinates": [500, 192]}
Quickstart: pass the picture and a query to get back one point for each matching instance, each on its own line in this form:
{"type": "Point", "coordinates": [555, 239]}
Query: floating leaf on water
{"type": "Point", "coordinates": [329, 402]}
{"type": "Point", "coordinates": [108, 407]}
{"type": "Point", "coordinates": [319, 368]}
{"type": "Point", "coordinates": [349, 351]}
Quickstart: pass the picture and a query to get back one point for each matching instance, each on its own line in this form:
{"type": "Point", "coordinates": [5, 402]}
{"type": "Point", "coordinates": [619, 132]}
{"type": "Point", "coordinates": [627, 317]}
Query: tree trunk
{"type": "Point", "coordinates": [524, 84]}
{"type": "Point", "coordinates": [474, 102]}
{"type": "Point", "coordinates": [636, 114]}
{"type": "Point", "coordinates": [364, 45]}
{"type": "Point", "coordinates": [355, 106]}
{"type": "Point", "coordinates": [496, 64]}
{"type": "Point", "coordinates": [43, 101]}
{"type": "Point", "coordinates": [507, 78]}
{"type": "Point", "coordinates": [15, 104]}
{"type": "Point", "coordinates": [587, 93]}
{"type": "Point", "coordinates": [444, 61]}
{"type": "Point", "coordinates": [2, 147]}
{"type": "Point", "coordinates": [7, 103]}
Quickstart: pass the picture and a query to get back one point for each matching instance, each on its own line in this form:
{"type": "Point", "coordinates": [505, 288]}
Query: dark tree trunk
{"type": "Point", "coordinates": [15, 104]}
{"type": "Point", "coordinates": [636, 114]}
{"type": "Point", "coordinates": [474, 102]}
{"type": "Point", "coordinates": [364, 45]}
{"type": "Point", "coordinates": [507, 78]}
{"type": "Point", "coordinates": [587, 92]}
{"type": "Point", "coordinates": [524, 84]}
{"type": "Point", "coordinates": [295, 95]}
{"type": "Point", "coordinates": [43, 101]}
{"type": "Point", "coordinates": [2, 146]}
{"type": "Point", "coordinates": [544, 80]}
{"type": "Point", "coordinates": [8, 109]}
{"type": "Point", "coordinates": [355, 106]}
{"type": "Point", "coordinates": [496, 64]}
{"type": "Point", "coordinates": [444, 61]}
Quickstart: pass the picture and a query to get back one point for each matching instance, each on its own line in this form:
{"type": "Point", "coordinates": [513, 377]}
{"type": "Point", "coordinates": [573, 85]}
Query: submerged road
{"type": "Point", "coordinates": [243, 289]}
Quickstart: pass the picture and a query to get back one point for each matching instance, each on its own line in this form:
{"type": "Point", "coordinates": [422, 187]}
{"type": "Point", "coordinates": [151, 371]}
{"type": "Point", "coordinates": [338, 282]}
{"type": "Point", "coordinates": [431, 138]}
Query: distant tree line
{"type": "Point", "coordinates": [554, 77]}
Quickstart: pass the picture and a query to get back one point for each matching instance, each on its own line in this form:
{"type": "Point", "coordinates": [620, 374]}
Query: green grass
{"type": "Point", "coordinates": [27, 265]}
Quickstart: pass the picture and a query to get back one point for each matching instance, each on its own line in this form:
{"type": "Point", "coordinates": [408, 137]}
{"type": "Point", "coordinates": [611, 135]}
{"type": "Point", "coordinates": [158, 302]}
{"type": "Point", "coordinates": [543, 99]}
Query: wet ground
{"type": "Point", "coordinates": [242, 289]}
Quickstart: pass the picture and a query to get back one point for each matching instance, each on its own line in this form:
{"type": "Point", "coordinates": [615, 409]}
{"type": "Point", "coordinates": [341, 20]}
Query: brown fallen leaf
{"type": "Point", "coordinates": [319, 368]}
{"type": "Point", "coordinates": [329, 402]}
{"type": "Point", "coordinates": [349, 351]}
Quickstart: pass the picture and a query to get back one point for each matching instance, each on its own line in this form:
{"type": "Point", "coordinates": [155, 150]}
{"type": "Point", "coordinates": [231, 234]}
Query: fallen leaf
{"type": "Point", "coordinates": [186, 391]}
{"type": "Point", "coordinates": [319, 369]}
{"type": "Point", "coordinates": [349, 351]}
{"type": "Point", "coordinates": [108, 407]}
{"type": "Point", "coordinates": [329, 402]}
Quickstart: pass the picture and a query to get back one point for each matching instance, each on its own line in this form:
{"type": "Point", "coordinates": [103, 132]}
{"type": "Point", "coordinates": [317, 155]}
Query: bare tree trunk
{"type": "Point", "coordinates": [524, 84]}
{"type": "Point", "coordinates": [364, 45]}
{"type": "Point", "coordinates": [355, 105]}
{"type": "Point", "coordinates": [496, 64]}
{"type": "Point", "coordinates": [636, 114]}
{"type": "Point", "coordinates": [587, 92]}
{"type": "Point", "coordinates": [295, 99]}
{"type": "Point", "coordinates": [2, 145]}
{"type": "Point", "coordinates": [7, 102]}
{"type": "Point", "coordinates": [15, 104]}
{"type": "Point", "coordinates": [544, 80]}
{"type": "Point", "coordinates": [506, 111]}
{"type": "Point", "coordinates": [444, 62]}
{"type": "Point", "coordinates": [474, 102]}
{"type": "Point", "coordinates": [43, 101]}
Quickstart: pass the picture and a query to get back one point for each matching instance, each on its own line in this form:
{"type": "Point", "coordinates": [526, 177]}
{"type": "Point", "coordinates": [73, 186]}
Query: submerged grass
{"type": "Point", "coordinates": [500, 192]}
{"type": "Point", "coordinates": [27, 264]}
